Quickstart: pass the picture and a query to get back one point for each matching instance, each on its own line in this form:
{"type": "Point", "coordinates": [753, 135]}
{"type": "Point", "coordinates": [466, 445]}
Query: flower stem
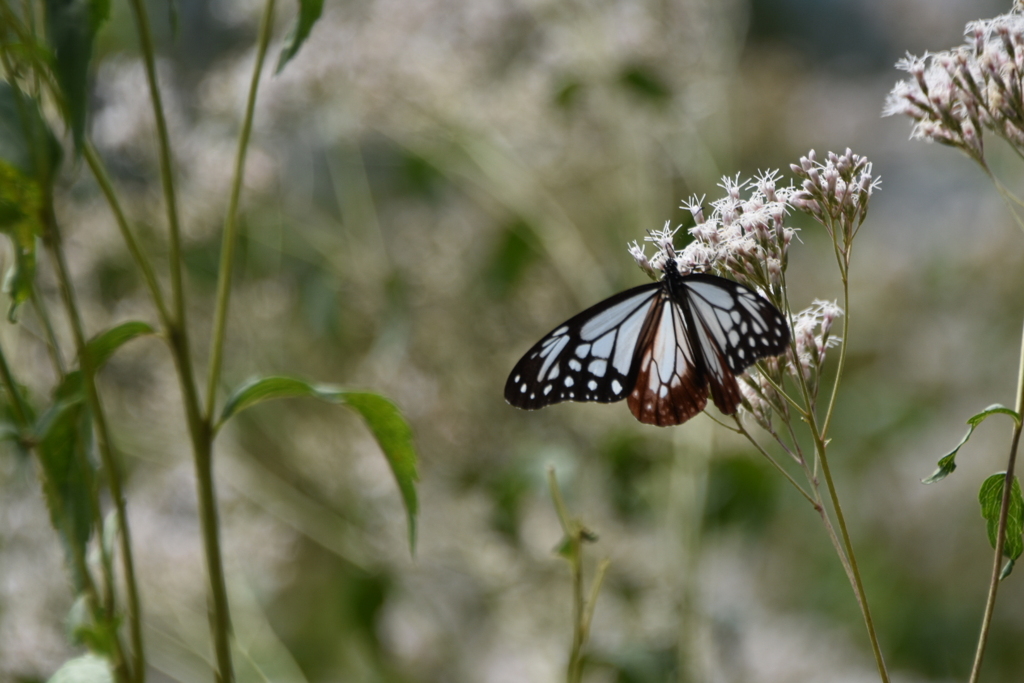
{"type": "Point", "coordinates": [858, 585]}
{"type": "Point", "coordinates": [177, 334]}
{"type": "Point", "coordinates": [230, 236]}
{"type": "Point", "coordinates": [1004, 509]}
{"type": "Point", "coordinates": [104, 444]}
{"type": "Point", "coordinates": [92, 158]}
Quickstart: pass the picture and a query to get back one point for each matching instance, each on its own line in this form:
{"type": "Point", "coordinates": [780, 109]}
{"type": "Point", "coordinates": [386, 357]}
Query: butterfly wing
{"type": "Point", "coordinates": [732, 327]}
{"type": "Point", "coordinates": [587, 358]}
{"type": "Point", "coordinates": [671, 385]}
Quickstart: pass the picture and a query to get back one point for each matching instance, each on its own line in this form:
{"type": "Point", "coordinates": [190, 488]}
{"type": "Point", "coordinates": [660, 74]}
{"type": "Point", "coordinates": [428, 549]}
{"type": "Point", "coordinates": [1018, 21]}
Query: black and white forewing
{"type": "Point", "coordinates": [586, 358]}
{"type": "Point", "coordinates": [741, 322]}
{"type": "Point", "coordinates": [671, 386]}
{"type": "Point", "coordinates": [733, 327]}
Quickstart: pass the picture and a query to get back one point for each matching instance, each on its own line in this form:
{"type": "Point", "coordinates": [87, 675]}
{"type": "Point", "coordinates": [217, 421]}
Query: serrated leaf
{"type": "Point", "coordinates": [991, 497]}
{"type": "Point", "coordinates": [101, 347]}
{"type": "Point", "coordinates": [383, 417]}
{"type": "Point", "coordinates": [61, 436]}
{"type": "Point", "coordinates": [947, 463]}
{"type": "Point", "coordinates": [71, 27]}
{"type": "Point", "coordinates": [309, 13]}
{"type": "Point", "coordinates": [85, 669]}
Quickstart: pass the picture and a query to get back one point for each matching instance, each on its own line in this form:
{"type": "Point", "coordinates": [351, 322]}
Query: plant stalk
{"type": "Point", "coordinates": [230, 237]}
{"type": "Point", "coordinates": [1004, 510]}
{"type": "Point", "coordinates": [177, 334]}
{"type": "Point", "coordinates": [104, 444]}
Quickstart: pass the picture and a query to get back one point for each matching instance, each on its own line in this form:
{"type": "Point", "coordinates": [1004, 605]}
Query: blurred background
{"type": "Point", "coordinates": [433, 185]}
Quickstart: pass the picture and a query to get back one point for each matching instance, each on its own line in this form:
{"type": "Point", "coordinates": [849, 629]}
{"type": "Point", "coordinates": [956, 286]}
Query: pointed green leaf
{"type": "Point", "coordinates": [84, 669]}
{"type": "Point", "coordinates": [29, 156]}
{"type": "Point", "coordinates": [71, 27]}
{"type": "Point", "coordinates": [26, 142]}
{"type": "Point", "coordinates": [947, 463]}
{"type": "Point", "coordinates": [61, 436]}
{"type": "Point", "coordinates": [384, 419]}
{"type": "Point", "coordinates": [309, 13]}
{"type": "Point", "coordinates": [994, 409]}
{"type": "Point", "coordinates": [103, 345]}
{"type": "Point", "coordinates": [991, 497]}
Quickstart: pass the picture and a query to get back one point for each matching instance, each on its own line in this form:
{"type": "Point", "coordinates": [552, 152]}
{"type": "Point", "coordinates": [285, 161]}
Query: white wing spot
{"type": "Point", "coordinates": [603, 346]}
{"type": "Point", "coordinates": [516, 378]}
{"type": "Point", "coordinates": [592, 385]}
{"type": "Point", "coordinates": [575, 365]}
{"type": "Point", "coordinates": [597, 367]}
{"type": "Point", "coordinates": [741, 353]}
{"type": "Point", "coordinates": [568, 381]}
{"type": "Point", "coordinates": [522, 389]}
{"type": "Point", "coordinates": [735, 316]}
{"type": "Point", "coordinates": [560, 331]}
{"type": "Point", "coordinates": [554, 372]}
{"type": "Point", "coordinates": [743, 327]}
{"type": "Point", "coordinates": [663, 392]}
{"type": "Point", "coordinates": [532, 395]}
{"type": "Point", "coordinates": [734, 337]}
{"type": "Point", "coordinates": [616, 387]}
{"type": "Point", "coordinates": [547, 390]}
{"type": "Point", "coordinates": [582, 350]}
{"type": "Point", "coordinates": [752, 341]}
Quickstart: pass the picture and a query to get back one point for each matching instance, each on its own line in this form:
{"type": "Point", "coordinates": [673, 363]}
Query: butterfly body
{"type": "Point", "coordinates": [662, 346]}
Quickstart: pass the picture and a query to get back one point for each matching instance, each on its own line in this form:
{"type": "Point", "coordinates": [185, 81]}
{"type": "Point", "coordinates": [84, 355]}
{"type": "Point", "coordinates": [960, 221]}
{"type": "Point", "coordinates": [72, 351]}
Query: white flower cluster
{"type": "Point", "coordinates": [812, 337]}
{"type": "Point", "coordinates": [956, 94]}
{"type": "Point", "coordinates": [835, 193]}
{"type": "Point", "coordinates": [744, 238]}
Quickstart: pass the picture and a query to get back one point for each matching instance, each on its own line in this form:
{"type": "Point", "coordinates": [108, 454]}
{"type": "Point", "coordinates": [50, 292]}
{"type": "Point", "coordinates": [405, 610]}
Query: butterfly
{"type": "Point", "coordinates": [662, 346]}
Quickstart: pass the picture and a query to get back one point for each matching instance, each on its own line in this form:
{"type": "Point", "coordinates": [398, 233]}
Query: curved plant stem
{"type": "Point", "coordinates": [1004, 509]}
{"type": "Point", "coordinates": [230, 236]}
{"type": "Point", "coordinates": [52, 347]}
{"type": "Point", "coordinates": [104, 444]}
{"type": "Point", "coordinates": [820, 446]}
{"type": "Point", "coordinates": [858, 585]}
{"type": "Point", "coordinates": [177, 335]}
{"type": "Point", "coordinates": [583, 609]}
{"type": "Point", "coordinates": [99, 171]}
{"type": "Point", "coordinates": [775, 464]}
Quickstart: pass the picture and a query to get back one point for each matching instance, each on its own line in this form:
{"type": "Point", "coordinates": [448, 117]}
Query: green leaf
{"type": "Point", "coordinates": [88, 626]}
{"type": "Point", "coordinates": [994, 409]}
{"type": "Point", "coordinates": [26, 142]}
{"type": "Point", "coordinates": [947, 463]}
{"type": "Point", "coordinates": [991, 497]}
{"type": "Point", "coordinates": [71, 26]}
{"type": "Point", "coordinates": [61, 435]}
{"type": "Point", "coordinates": [101, 347]}
{"type": "Point", "coordinates": [29, 156]}
{"type": "Point", "coordinates": [85, 669]}
{"type": "Point", "coordinates": [384, 419]}
{"type": "Point", "coordinates": [309, 13]}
